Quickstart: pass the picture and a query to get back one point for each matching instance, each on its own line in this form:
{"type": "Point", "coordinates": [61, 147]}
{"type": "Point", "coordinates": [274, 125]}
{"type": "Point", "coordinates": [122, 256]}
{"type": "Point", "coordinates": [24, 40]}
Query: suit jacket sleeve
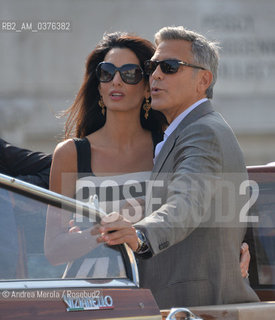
{"type": "Point", "coordinates": [15, 161]}
{"type": "Point", "coordinates": [26, 165]}
{"type": "Point", "coordinates": [193, 166]}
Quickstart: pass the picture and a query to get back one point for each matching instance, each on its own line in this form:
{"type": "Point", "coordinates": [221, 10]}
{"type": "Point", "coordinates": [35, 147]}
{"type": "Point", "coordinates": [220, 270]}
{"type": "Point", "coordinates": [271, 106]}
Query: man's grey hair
{"type": "Point", "coordinates": [205, 52]}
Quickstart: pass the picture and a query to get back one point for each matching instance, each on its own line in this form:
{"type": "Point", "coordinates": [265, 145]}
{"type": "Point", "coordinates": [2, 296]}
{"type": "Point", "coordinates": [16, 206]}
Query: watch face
{"type": "Point", "coordinates": [143, 246]}
{"type": "Point", "coordinates": [139, 245]}
{"type": "Point", "coordinates": [140, 235]}
{"type": "Point", "coordinates": [140, 241]}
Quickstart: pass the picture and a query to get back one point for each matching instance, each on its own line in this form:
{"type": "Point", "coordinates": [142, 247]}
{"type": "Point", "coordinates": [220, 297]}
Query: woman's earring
{"type": "Point", "coordinates": [102, 106]}
{"type": "Point", "coordinates": [146, 107]}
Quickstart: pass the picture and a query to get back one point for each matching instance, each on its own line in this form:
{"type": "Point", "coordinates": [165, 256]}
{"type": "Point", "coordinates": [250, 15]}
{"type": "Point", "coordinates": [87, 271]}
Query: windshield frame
{"type": "Point", "coordinates": [55, 199]}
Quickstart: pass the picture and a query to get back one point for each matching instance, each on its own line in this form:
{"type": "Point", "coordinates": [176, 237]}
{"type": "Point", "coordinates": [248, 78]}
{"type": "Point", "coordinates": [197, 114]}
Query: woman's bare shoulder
{"type": "Point", "coordinates": [65, 155]}
{"type": "Point", "coordinates": [64, 168]}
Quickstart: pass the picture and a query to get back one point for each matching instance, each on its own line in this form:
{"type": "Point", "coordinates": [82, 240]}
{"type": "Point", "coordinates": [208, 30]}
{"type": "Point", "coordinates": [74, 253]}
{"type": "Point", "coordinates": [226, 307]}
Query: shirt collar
{"type": "Point", "coordinates": [173, 125]}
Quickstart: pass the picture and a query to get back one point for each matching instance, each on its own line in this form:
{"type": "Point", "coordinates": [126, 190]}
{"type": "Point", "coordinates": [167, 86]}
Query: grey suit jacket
{"type": "Point", "coordinates": [193, 216]}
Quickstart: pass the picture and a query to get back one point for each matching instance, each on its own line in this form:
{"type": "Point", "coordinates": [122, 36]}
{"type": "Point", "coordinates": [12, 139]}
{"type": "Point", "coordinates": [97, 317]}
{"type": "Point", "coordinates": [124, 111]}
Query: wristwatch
{"type": "Point", "coordinates": [142, 243]}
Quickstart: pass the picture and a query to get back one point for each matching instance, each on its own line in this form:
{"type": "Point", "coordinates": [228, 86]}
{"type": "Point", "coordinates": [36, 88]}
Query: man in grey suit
{"type": "Point", "coordinates": [191, 235]}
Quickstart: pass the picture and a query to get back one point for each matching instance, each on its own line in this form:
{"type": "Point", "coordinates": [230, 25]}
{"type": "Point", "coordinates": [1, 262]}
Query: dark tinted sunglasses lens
{"type": "Point", "coordinates": [105, 72]}
{"type": "Point", "coordinates": [150, 67]}
{"type": "Point", "coordinates": [131, 74]}
{"type": "Point", "coordinates": [169, 66]}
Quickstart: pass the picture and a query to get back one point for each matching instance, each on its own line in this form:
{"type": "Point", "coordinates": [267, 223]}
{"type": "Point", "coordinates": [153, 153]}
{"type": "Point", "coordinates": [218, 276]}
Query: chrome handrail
{"type": "Point", "coordinates": [61, 201]}
{"type": "Point", "coordinates": [133, 264]}
{"type": "Point", "coordinates": [51, 197]}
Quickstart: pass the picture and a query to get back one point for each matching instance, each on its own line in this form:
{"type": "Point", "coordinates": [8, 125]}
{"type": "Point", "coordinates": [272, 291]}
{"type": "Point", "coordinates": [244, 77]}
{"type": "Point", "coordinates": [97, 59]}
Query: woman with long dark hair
{"type": "Point", "coordinates": [110, 136]}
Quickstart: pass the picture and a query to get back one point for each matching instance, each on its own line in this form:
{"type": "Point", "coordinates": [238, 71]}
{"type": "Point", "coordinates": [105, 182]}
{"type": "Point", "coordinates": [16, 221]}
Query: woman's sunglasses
{"type": "Point", "coordinates": [168, 66]}
{"type": "Point", "coordinates": [129, 73]}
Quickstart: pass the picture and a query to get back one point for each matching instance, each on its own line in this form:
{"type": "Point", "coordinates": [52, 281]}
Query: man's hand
{"type": "Point", "coordinates": [115, 229]}
{"type": "Point", "coordinates": [244, 260]}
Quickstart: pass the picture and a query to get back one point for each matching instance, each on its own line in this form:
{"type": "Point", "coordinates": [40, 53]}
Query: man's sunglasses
{"type": "Point", "coordinates": [167, 66]}
{"type": "Point", "coordinates": [129, 73]}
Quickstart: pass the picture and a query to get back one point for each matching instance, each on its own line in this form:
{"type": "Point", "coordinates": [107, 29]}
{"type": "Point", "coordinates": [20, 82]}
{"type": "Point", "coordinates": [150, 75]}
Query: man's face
{"type": "Point", "coordinates": [173, 93]}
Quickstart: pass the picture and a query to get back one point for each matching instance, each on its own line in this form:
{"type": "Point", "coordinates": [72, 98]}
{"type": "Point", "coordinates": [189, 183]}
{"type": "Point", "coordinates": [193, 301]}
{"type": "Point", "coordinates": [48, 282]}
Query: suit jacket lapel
{"type": "Point", "coordinates": [169, 144]}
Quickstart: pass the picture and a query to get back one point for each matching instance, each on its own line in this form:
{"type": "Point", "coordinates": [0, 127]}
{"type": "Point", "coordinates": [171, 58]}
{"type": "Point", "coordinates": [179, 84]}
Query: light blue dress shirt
{"type": "Point", "coordinates": [173, 125]}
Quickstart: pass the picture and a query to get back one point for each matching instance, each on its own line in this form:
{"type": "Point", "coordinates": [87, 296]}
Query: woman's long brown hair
{"type": "Point", "coordinates": [85, 116]}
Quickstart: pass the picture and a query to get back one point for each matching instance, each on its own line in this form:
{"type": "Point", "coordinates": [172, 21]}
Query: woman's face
{"type": "Point", "coordinates": [118, 95]}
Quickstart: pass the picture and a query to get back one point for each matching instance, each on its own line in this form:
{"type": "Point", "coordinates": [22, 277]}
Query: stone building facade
{"type": "Point", "coordinates": [42, 67]}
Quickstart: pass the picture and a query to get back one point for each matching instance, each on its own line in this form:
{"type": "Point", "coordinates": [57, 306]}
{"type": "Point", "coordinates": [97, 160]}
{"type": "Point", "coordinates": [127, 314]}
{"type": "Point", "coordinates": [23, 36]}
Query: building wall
{"type": "Point", "coordinates": [41, 72]}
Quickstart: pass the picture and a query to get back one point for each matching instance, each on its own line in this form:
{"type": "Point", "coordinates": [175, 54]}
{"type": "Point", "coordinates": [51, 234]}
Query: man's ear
{"type": "Point", "coordinates": [205, 81]}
